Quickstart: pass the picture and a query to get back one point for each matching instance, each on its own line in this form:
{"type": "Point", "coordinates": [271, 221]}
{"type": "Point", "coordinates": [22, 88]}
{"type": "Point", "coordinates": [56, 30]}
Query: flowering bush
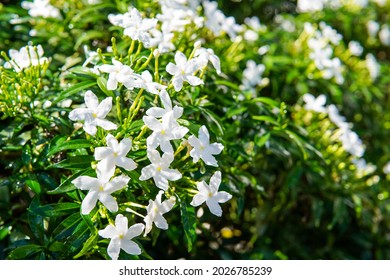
{"type": "Point", "coordinates": [131, 124]}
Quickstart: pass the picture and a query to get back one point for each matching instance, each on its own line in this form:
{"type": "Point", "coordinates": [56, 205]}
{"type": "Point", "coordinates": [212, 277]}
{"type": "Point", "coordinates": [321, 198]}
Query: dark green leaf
{"type": "Point", "coordinates": [69, 145]}
{"type": "Point", "coordinates": [88, 245]}
{"type": "Point", "coordinates": [67, 185]}
{"type": "Point", "coordinates": [33, 184]}
{"type": "Point", "coordinates": [188, 219]}
{"type": "Point", "coordinates": [76, 162]}
{"type": "Point", "coordinates": [74, 89]}
{"type": "Point", "coordinates": [24, 252]}
{"type": "Point", "coordinates": [55, 210]}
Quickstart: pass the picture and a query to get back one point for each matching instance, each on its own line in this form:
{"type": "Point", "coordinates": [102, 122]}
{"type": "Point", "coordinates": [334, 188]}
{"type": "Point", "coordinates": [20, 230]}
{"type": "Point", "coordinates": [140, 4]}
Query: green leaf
{"type": "Point", "coordinates": [24, 252]}
{"type": "Point", "coordinates": [88, 245]}
{"type": "Point", "coordinates": [76, 162]}
{"type": "Point", "coordinates": [69, 145]}
{"type": "Point", "coordinates": [36, 221]}
{"type": "Point", "coordinates": [65, 228]}
{"type": "Point", "coordinates": [4, 232]}
{"type": "Point", "coordinates": [102, 83]}
{"type": "Point", "coordinates": [74, 89]}
{"type": "Point", "coordinates": [33, 184]}
{"type": "Point", "coordinates": [266, 119]}
{"type": "Point", "coordinates": [67, 185]}
{"type": "Point", "coordinates": [261, 140]}
{"type": "Point", "coordinates": [55, 210]}
{"type": "Point", "coordinates": [188, 219]}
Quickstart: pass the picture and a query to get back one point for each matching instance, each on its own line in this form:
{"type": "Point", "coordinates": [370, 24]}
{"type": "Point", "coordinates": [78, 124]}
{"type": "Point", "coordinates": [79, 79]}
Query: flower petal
{"type": "Point", "coordinates": [147, 172]}
{"type": "Point", "coordinates": [161, 182]}
{"type": "Point", "coordinates": [121, 224]}
{"type": "Point", "coordinates": [180, 58]}
{"type": "Point", "coordinates": [152, 123]}
{"type": "Point", "coordinates": [126, 163]}
{"type": "Point", "coordinates": [117, 183]}
{"type": "Point", "coordinates": [89, 202]}
{"type": "Point", "coordinates": [103, 153]}
{"type": "Point", "coordinates": [104, 107]}
{"type": "Point", "coordinates": [91, 100]}
{"type": "Point", "coordinates": [124, 146]}
{"type": "Point", "coordinates": [90, 128]}
{"type": "Point", "coordinates": [160, 222]}
{"type": "Point", "coordinates": [215, 181]}
{"type": "Point", "coordinates": [172, 69]}
{"type": "Point", "coordinates": [214, 207]}
{"type": "Point", "coordinates": [198, 199]}
{"type": "Point", "coordinates": [79, 114]}
{"type": "Point", "coordinates": [107, 125]}
{"type": "Point", "coordinates": [223, 196]}
{"type": "Point", "coordinates": [112, 83]}
{"type": "Point", "coordinates": [193, 81]}
{"type": "Point", "coordinates": [114, 248]}
{"type": "Point", "coordinates": [86, 183]}
{"type": "Point", "coordinates": [108, 232]}
{"type": "Point", "coordinates": [109, 202]}
{"type": "Point", "coordinates": [171, 174]}
{"type": "Point", "coordinates": [131, 247]}
{"type": "Point", "coordinates": [209, 159]}
{"type": "Point", "coordinates": [135, 230]}
{"type": "Point", "coordinates": [204, 135]}
{"type": "Point", "coordinates": [112, 142]}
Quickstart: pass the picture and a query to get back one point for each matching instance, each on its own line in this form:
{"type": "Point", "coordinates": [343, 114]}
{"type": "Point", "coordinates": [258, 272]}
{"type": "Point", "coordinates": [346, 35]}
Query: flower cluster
{"type": "Point", "coordinates": [349, 139]}
{"type": "Point", "coordinates": [164, 131]}
{"type": "Point", "coordinates": [321, 51]}
{"type": "Point", "coordinates": [26, 57]}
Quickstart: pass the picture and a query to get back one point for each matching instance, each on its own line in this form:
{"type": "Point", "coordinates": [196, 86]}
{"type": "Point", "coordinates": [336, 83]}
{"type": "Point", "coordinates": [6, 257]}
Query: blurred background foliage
{"type": "Point", "coordinates": [297, 192]}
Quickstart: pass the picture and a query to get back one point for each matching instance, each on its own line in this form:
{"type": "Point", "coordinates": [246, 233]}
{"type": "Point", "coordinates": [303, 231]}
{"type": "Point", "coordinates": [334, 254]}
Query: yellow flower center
{"type": "Point", "coordinates": [101, 188]}
{"type": "Point", "coordinates": [159, 169]}
{"type": "Point", "coordinates": [94, 115]}
{"type": "Point", "coordinates": [121, 236]}
{"type": "Point", "coordinates": [162, 132]}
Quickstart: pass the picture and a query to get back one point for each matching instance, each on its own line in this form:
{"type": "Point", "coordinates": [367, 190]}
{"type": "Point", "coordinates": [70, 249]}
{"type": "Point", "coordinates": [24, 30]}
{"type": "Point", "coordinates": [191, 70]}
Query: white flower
{"type": "Point", "coordinates": [211, 195]}
{"type": "Point", "coordinates": [158, 112]}
{"type": "Point", "coordinates": [159, 169]}
{"type": "Point", "coordinates": [121, 237]}
{"type": "Point", "coordinates": [156, 210]}
{"type": "Point", "coordinates": [149, 85]}
{"type": "Point", "coordinates": [163, 131]}
{"type": "Point", "coordinates": [315, 104]}
{"type": "Point", "coordinates": [304, 6]}
{"type": "Point", "coordinates": [120, 73]}
{"type": "Point", "coordinates": [336, 118]}
{"type": "Point", "coordinates": [94, 114]}
{"type": "Point", "coordinates": [355, 48]}
{"type": "Point", "coordinates": [372, 66]}
{"type": "Point", "coordinates": [252, 75]}
{"type": "Point", "coordinates": [352, 143]}
{"type": "Point", "coordinates": [333, 69]}
{"type": "Point", "coordinates": [183, 71]}
{"type": "Point", "coordinates": [205, 55]}
{"type": "Point", "coordinates": [386, 168]}
{"type": "Point", "coordinates": [202, 149]}
{"type": "Point", "coordinates": [372, 28]}
{"type": "Point", "coordinates": [100, 188]}
{"type": "Point", "coordinates": [134, 25]}
{"type": "Point", "coordinates": [41, 8]}
{"type": "Point", "coordinates": [114, 155]}
{"type": "Point", "coordinates": [384, 35]}
{"type": "Point", "coordinates": [27, 56]}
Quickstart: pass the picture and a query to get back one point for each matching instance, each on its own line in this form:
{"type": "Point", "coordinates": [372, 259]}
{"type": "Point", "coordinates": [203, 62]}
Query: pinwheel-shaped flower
{"type": "Point", "coordinates": [95, 113]}
{"type": "Point", "coordinates": [119, 73]}
{"type": "Point", "coordinates": [159, 169]}
{"type": "Point", "coordinates": [114, 155]}
{"type": "Point", "coordinates": [211, 195]}
{"type": "Point", "coordinates": [163, 131]}
{"type": "Point", "coordinates": [158, 112]}
{"type": "Point", "coordinates": [183, 71]}
{"type": "Point", "coordinates": [121, 237]}
{"type": "Point", "coordinates": [202, 149]}
{"type": "Point", "coordinates": [156, 209]}
{"type": "Point", "coordinates": [100, 188]}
